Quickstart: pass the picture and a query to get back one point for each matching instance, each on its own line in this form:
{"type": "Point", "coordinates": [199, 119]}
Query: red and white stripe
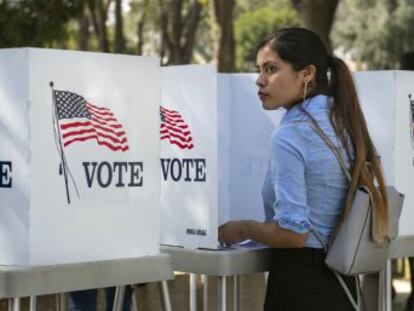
{"type": "Point", "coordinates": [175, 130]}
{"type": "Point", "coordinates": [103, 127]}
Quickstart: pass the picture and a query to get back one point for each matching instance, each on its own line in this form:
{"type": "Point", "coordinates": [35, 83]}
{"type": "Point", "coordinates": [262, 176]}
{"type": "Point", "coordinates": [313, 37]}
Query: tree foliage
{"type": "Point", "coordinates": [224, 34]}
{"type": "Point", "coordinates": [376, 33]}
{"type": "Point", "coordinates": [253, 26]}
{"type": "Point", "coordinates": [178, 20]}
{"type": "Point", "coordinates": [35, 22]}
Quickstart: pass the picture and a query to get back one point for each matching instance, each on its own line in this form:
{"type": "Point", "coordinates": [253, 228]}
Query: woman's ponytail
{"type": "Point", "coordinates": [349, 122]}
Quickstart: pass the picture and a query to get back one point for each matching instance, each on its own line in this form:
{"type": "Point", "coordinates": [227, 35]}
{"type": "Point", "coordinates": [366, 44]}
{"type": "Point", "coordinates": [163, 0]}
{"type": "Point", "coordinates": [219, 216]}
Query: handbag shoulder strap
{"type": "Point", "coordinates": [356, 303]}
{"type": "Point", "coordinates": [315, 126]}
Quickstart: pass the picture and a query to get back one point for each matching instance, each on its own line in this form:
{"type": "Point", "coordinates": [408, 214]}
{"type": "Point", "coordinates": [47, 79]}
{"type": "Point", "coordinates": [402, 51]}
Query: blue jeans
{"type": "Point", "coordinates": [86, 300]}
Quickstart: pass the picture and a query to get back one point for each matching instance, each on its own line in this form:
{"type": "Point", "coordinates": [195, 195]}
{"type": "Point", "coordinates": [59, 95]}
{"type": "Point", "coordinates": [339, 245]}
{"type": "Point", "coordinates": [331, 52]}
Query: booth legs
{"type": "Point", "coordinates": [61, 302]}
{"type": "Point", "coordinates": [193, 292]}
{"type": "Point", "coordinates": [385, 280]}
{"type": "Point", "coordinates": [32, 303]}
{"type": "Point", "coordinates": [166, 296]}
{"type": "Point", "coordinates": [119, 298]}
{"type": "Point", "coordinates": [14, 304]}
{"type": "Point", "coordinates": [237, 293]}
{"type": "Point", "coordinates": [204, 280]}
{"type": "Point", "coordinates": [222, 294]}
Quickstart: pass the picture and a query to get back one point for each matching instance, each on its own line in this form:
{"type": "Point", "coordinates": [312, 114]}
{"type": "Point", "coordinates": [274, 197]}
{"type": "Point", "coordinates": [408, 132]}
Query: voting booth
{"type": "Point", "coordinates": [214, 152]}
{"type": "Point", "coordinates": [79, 156]}
{"type": "Point", "coordinates": [387, 100]}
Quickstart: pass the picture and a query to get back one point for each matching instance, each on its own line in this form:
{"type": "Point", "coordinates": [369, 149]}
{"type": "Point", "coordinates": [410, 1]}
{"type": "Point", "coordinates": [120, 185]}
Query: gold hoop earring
{"type": "Point", "coordinates": [305, 90]}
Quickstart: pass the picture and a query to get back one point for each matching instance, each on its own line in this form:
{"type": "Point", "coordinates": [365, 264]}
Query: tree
{"type": "Point", "coordinates": [376, 33]}
{"type": "Point", "coordinates": [36, 22]}
{"type": "Point", "coordinates": [252, 26]}
{"type": "Point", "coordinates": [178, 21]}
{"type": "Point", "coordinates": [83, 34]}
{"type": "Point", "coordinates": [119, 42]}
{"type": "Point", "coordinates": [224, 35]}
{"type": "Point", "coordinates": [140, 26]}
{"type": "Point", "coordinates": [98, 10]}
{"type": "Point", "coordinates": [318, 16]}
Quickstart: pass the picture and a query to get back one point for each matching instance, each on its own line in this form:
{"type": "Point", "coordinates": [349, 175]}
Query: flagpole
{"type": "Point", "coordinates": [62, 157]}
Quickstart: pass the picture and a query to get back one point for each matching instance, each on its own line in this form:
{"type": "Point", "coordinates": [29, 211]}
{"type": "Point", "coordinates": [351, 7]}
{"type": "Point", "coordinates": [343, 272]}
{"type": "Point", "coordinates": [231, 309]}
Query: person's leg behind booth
{"type": "Point", "coordinates": [110, 296]}
{"type": "Point", "coordinates": [84, 300]}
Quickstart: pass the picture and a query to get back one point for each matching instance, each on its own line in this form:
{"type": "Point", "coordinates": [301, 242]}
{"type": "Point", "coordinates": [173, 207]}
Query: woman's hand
{"type": "Point", "coordinates": [233, 232]}
{"type": "Point", "coordinates": [269, 234]}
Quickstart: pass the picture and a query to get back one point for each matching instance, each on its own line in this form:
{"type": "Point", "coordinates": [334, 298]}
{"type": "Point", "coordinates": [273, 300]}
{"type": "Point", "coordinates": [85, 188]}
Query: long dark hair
{"type": "Point", "coordinates": [300, 48]}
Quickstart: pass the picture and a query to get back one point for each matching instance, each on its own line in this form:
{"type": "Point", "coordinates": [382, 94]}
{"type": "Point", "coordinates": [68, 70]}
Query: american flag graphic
{"type": "Point", "coordinates": [80, 120]}
{"type": "Point", "coordinates": [174, 129]}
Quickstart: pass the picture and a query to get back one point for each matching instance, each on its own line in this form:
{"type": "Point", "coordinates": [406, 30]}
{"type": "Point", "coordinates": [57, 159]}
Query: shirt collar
{"type": "Point", "coordinates": [313, 104]}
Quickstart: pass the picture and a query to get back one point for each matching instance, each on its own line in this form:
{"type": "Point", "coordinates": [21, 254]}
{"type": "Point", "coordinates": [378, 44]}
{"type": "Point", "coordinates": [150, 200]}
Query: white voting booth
{"type": "Point", "coordinates": [79, 167]}
{"type": "Point", "coordinates": [214, 165]}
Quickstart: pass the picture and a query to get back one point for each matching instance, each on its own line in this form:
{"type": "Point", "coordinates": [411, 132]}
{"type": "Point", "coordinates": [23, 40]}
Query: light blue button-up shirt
{"type": "Point", "coordinates": [305, 186]}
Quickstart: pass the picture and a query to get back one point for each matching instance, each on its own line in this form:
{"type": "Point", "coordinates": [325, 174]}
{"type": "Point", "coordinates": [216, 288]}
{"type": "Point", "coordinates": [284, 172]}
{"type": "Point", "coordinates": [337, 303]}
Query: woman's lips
{"type": "Point", "coordinates": [262, 95]}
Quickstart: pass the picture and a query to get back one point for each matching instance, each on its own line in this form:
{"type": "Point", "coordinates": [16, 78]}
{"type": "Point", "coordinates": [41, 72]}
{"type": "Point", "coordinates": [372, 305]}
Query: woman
{"type": "Point", "coordinates": [305, 188]}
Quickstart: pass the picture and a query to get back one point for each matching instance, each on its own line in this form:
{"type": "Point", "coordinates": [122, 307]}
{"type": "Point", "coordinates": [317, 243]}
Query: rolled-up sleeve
{"type": "Point", "coordinates": [291, 210]}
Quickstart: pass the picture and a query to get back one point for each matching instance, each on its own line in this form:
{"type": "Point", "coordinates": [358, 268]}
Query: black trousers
{"type": "Point", "coordinates": [299, 280]}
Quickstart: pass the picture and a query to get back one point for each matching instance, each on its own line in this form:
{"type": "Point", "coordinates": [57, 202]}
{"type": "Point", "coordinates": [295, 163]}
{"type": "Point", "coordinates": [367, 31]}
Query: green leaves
{"type": "Point", "coordinates": [253, 26]}
{"type": "Point", "coordinates": [35, 22]}
{"type": "Point", "coordinates": [376, 33]}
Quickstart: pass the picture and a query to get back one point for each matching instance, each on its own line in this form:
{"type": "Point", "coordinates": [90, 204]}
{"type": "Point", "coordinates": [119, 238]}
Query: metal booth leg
{"type": "Point", "coordinates": [61, 302]}
{"type": "Point", "coordinates": [237, 293]}
{"type": "Point", "coordinates": [385, 288]}
{"type": "Point", "coordinates": [166, 296]}
{"type": "Point", "coordinates": [119, 298]}
{"type": "Point", "coordinates": [14, 304]}
{"type": "Point", "coordinates": [222, 294]}
{"type": "Point", "coordinates": [193, 292]}
{"type": "Point", "coordinates": [32, 303]}
{"type": "Point", "coordinates": [204, 281]}
{"type": "Point", "coordinates": [134, 302]}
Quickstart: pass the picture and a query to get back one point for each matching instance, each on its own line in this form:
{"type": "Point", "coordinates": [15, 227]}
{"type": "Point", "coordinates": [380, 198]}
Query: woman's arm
{"type": "Point", "coordinates": [290, 225]}
{"type": "Point", "coordinates": [270, 234]}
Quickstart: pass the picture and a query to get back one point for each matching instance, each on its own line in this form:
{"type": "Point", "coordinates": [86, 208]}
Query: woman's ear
{"type": "Point", "coordinates": [309, 73]}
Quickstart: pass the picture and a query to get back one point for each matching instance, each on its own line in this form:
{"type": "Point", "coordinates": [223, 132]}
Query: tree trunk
{"type": "Point", "coordinates": [178, 30]}
{"type": "Point", "coordinates": [175, 30]}
{"type": "Point", "coordinates": [407, 63]}
{"type": "Point", "coordinates": [165, 40]}
{"type": "Point", "coordinates": [140, 28]}
{"type": "Point", "coordinates": [190, 29]}
{"type": "Point", "coordinates": [119, 43]}
{"type": "Point", "coordinates": [83, 31]}
{"type": "Point", "coordinates": [224, 35]}
{"type": "Point", "coordinates": [99, 14]}
{"type": "Point", "coordinates": [318, 16]}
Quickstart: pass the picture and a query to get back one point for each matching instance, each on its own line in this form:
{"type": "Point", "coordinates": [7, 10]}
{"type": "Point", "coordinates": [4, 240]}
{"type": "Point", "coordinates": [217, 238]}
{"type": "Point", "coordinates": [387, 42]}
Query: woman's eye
{"type": "Point", "coordinates": [270, 69]}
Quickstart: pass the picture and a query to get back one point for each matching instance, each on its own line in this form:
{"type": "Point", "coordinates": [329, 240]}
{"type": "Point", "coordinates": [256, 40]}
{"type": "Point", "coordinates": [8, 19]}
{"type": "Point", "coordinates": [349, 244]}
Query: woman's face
{"type": "Point", "coordinates": [279, 85]}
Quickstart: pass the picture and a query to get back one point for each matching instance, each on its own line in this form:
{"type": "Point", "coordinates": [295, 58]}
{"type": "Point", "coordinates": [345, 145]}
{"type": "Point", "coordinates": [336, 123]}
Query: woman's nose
{"type": "Point", "coordinates": [260, 82]}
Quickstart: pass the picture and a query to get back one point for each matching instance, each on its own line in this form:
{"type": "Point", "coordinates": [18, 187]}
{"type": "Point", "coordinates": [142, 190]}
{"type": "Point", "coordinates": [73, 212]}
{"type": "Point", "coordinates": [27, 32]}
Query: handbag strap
{"type": "Point", "coordinates": [315, 126]}
{"type": "Point", "coordinates": [356, 303]}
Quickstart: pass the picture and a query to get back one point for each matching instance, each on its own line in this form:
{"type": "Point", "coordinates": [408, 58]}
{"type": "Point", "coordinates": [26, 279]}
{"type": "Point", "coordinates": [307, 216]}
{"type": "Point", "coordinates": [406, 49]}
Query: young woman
{"type": "Point", "coordinates": [305, 188]}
